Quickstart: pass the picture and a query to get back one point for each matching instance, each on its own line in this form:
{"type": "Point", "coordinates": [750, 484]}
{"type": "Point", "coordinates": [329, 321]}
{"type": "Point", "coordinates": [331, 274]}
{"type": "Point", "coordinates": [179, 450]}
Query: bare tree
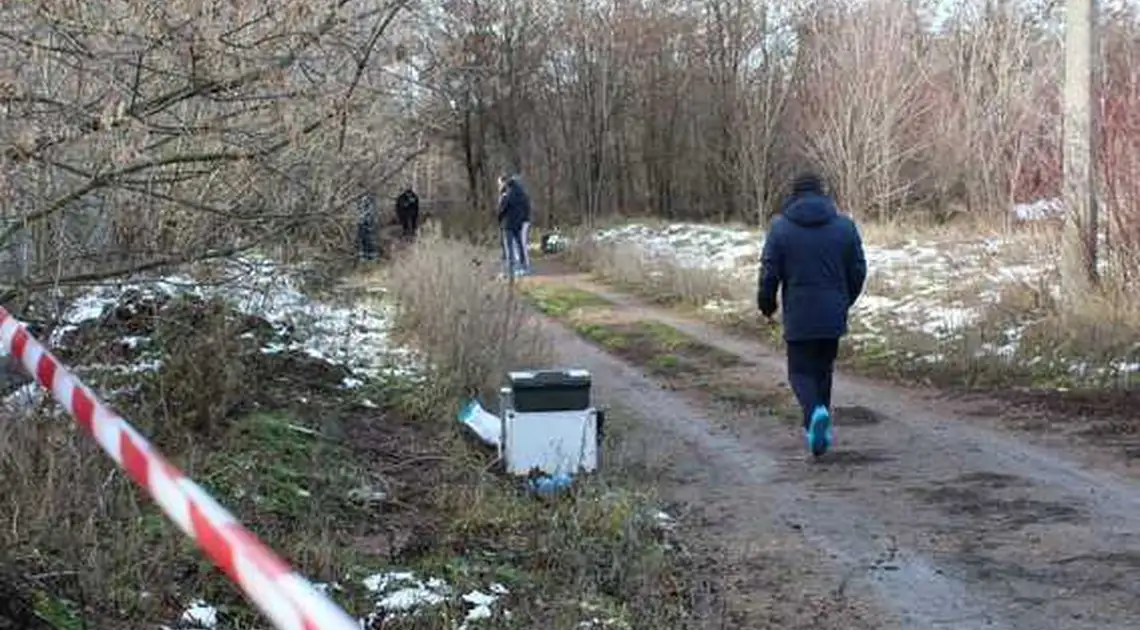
{"type": "Point", "coordinates": [858, 95]}
{"type": "Point", "coordinates": [766, 91]}
{"type": "Point", "coordinates": [1078, 269]}
{"type": "Point", "coordinates": [700, 108]}
{"type": "Point", "coordinates": [136, 135]}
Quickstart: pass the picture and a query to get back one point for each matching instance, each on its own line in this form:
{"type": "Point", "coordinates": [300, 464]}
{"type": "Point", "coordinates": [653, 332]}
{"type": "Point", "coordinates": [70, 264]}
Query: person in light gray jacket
{"type": "Point", "coordinates": [367, 226]}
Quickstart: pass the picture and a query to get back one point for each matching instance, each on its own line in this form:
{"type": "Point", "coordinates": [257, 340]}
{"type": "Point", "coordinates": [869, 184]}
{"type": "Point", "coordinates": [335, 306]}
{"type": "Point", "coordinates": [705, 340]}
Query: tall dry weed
{"type": "Point", "coordinates": [660, 278]}
{"type": "Point", "coordinates": [1036, 337]}
{"type": "Point", "coordinates": [470, 323]}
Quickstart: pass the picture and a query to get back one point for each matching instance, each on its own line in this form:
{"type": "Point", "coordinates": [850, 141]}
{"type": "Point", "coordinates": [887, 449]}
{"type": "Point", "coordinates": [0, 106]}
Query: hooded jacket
{"type": "Point", "coordinates": [407, 203]}
{"type": "Point", "coordinates": [514, 205]}
{"type": "Point", "coordinates": [813, 257]}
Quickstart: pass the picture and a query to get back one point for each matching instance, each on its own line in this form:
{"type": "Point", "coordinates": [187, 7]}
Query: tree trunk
{"type": "Point", "coordinates": [1079, 255]}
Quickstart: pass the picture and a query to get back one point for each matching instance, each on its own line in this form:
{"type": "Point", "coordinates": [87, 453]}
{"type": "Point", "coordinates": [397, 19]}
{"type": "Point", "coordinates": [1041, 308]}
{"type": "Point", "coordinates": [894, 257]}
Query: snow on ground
{"type": "Point", "coordinates": [1039, 210]}
{"type": "Point", "coordinates": [936, 291]}
{"type": "Point", "coordinates": [200, 615]}
{"type": "Point", "coordinates": [356, 338]}
{"type": "Point", "coordinates": [395, 595]}
{"type": "Point", "coordinates": [353, 337]}
{"type": "Point", "coordinates": [402, 594]}
{"type": "Point", "coordinates": [913, 286]}
{"type": "Point", "coordinates": [691, 245]}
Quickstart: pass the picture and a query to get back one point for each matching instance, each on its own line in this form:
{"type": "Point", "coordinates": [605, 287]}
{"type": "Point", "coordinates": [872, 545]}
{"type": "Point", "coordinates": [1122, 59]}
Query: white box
{"type": "Point", "coordinates": [554, 442]}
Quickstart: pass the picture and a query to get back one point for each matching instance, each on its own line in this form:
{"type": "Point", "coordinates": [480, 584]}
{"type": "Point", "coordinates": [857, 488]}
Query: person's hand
{"type": "Point", "coordinates": [767, 309]}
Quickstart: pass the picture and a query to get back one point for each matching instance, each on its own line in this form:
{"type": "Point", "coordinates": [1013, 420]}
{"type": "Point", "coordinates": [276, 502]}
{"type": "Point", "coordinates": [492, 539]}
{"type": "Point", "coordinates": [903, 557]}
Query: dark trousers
{"type": "Point", "coordinates": [811, 365]}
{"type": "Point", "coordinates": [367, 241]}
{"type": "Point", "coordinates": [409, 222]}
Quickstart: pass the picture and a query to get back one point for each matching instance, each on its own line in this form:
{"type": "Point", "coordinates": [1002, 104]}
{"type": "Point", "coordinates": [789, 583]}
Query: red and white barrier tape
{"type": "Point", "coordinates": [288, 599]}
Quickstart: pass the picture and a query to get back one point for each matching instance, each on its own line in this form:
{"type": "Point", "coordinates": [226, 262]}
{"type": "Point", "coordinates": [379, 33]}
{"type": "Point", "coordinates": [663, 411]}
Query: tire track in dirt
{"type": "Point", "coordinates": [942, 523]}
{"type": "Point", "coordinates": [728, 506]}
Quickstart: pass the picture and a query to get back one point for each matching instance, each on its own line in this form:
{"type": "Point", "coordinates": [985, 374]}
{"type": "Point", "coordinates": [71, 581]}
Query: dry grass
{"type": "Point", "coordinates": [627, 267]}
{"type": "Point", "coordinates": [596, 554]}
{"type": "Point", "coordinates": [84, 548]}
{"type": "Point", "coordinates": [471, 324]}
{"type": "Point", "coordinates": [92, 549]}
{"type": "Point", "coordinates": [1100, 330]}
{"type": "Point", "coordinates": [682, 362]}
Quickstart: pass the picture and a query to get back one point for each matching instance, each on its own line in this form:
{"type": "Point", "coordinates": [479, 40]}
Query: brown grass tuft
{"type": "Point", "coordinates": [1098, 331]}
{"type": "Point", "coordinates": [93, 550]}
{"type": "Point", "coordinates": [659, 279]}
{"type": "Point", "coordinates": [471, 324]}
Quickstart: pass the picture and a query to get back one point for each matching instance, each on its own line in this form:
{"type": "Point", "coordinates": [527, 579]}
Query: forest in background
{"type": "Point", "coordinates": [144, 134]}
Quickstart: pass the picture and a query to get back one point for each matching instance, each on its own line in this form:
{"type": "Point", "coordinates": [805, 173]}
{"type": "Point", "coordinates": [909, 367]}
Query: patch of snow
{"type": "Point", "coordinates": [411, 598]}
{"type": "Point", "coordinates": [597, 622]}
{"type": "Point", "coordinates": [380, 582]}
{"type": "Point", "coordinates": [1039, 210]}
{"type": "Point", "coordinates": [138, 367]}
{"type": "Point", "coordinates": [480, 603]}
{"type": "Point", "coordinates": [691, 245]}
{"type": "Point", "coordinates": [727, 306]}
{"type": "Point", "coordinates": [1126, 367]}
{"type": "Point", "coordinates": [355, 337]}
{"type": "Point", "coordinates": [935, 290]}
{"type": "Point", "coordinates": [200, 615]}
{"type": "Point", "coordinates": [89, 307]}
{"type": "Point", "coordinates": [133, 342]}
{"type": "Point", "coordinates": [402, 593]}
{"type": "Point", "coordinates": [368, 494]}
{"type": "Point", "coordinates": [611, 622]}
{"type": "Point", "coordinates": [24, 398]}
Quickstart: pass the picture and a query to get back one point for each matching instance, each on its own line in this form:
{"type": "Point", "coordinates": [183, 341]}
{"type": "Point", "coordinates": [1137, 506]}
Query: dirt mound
{"type": "Point", "coordinates": [195, 360]}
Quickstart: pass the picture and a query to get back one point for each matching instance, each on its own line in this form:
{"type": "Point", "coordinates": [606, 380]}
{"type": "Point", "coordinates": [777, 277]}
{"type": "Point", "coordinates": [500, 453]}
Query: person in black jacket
{"type": "Point", "coordinates": [813, 257]}
{"type": "Point", "coordinates": [408, 212]}
{"type": "Point", "coordinates": [514, 220]}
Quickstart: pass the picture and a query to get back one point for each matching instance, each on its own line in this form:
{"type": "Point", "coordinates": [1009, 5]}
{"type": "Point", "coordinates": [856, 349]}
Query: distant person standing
{"type": "Point", "coordinates": [408, 212]}
{"type": "Point", "coordinates": [813, 257]}
{"type": "Point", "coordinates": [514, 221]}
{"type": "Point", "coordinates": [367, 226]}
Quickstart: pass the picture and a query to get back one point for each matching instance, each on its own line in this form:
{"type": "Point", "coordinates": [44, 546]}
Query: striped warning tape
{"type": "Point", "coordinates": [285, 597]}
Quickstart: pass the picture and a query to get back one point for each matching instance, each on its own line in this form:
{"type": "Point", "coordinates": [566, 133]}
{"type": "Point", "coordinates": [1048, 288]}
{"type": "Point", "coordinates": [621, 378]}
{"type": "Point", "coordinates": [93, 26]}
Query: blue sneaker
{"type": "Point", "coordinates": [819, 433]}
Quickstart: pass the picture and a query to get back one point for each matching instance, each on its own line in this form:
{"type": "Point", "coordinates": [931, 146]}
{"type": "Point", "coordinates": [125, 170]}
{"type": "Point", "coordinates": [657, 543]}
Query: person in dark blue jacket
{"type": "Point", "coordinates": [813, 257]}
{"type": "Point", "coordinates": [514, 219]}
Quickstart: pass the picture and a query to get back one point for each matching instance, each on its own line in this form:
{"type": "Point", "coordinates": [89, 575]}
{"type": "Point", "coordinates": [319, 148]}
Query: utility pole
{"type": "Point", "coordinates": [1079, 240]}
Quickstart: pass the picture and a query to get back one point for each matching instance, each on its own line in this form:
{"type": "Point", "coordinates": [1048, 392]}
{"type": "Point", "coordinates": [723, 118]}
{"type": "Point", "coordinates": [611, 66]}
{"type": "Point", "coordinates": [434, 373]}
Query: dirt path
{"type": "Point", "coordinates": [920, 519]}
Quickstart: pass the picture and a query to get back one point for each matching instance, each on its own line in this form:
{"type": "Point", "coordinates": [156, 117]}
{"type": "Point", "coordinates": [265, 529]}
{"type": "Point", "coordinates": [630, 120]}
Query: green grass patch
{"type": "Point", "coordinates": [658, 347]}
{"type": "Point", "coordinates": [59, 614]}
{"type": "Point", "coordinates": [562, 301]}
{"type": "Point", "coordinates": [303, 491]}
{"type": "Point", "coordinates": [279, 467]}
